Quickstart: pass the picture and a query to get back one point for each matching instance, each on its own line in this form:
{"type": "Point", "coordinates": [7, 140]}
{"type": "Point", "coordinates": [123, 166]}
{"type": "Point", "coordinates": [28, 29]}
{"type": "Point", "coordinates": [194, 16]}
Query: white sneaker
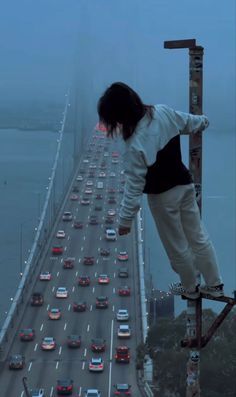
{"type": "Point", "coordinates": [178, 289]}
{"type": "Point", "coordinates": [215, 292]}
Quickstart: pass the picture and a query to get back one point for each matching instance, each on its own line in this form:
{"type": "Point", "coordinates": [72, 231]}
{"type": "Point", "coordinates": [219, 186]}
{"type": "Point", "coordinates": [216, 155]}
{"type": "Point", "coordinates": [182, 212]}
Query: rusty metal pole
{"type": "Point", "coordinates": [194, 307]}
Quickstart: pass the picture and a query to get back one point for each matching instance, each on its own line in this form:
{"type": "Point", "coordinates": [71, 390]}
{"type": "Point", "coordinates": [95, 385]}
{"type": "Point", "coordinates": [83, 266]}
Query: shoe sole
{"type": "Point", "coordinates": [213, 294]}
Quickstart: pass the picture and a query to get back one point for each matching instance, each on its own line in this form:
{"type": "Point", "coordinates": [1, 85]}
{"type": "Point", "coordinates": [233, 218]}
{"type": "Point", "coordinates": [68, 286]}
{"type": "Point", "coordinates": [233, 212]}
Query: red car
{"type": "Point", "coordinates": [65, 386]}
{"type": "Point", "coordinates": [57, 250]}
{"type": "Point", "coordinates": [98, 345]}
{"type": "Point", "coordinates": [68, 263]}
{"type": "Point", "coordinates": [123, 256]}
{"type": "Point", "coordinates": [27, 334]}
{"type": "Point", "coordinates": [124, 291]}
{"type": "Point", "coordinates": [103, 279]}
{"type": "Point", "coordinates": [84, 281]}
{"type": "Point", "coordinates": [78, 225]}
{"type": "Point", "coordinates": [122, 354]}
{"type": "Point", "coordinates": [88, 260]}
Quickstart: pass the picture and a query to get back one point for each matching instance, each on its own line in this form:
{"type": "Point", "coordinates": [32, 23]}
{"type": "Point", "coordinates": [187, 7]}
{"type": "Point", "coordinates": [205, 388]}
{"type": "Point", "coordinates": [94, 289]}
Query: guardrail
{"type": "Point", "coordinates": [147, 372]}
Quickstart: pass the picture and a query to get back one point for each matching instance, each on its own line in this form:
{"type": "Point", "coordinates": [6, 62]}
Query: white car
{"type": "Point", "coordinates": [45, 276]}
{"type": "Point", "coordinates": [124, 331]}
{"type": "Point", "coordinates": [85, 161]}
{"type": "Point", "coordinates": [37, 393]}
{"type": "Point", "coordinates": [92, 393]}
{"type": "Point", "coordinates": [111, 212]}
{"type": "Point", "coordinates": [102, 174]}
{"type": "Point", "coordinates": [88, 190]}
{"type": "Point", "coordinates": [61, 292]}
{"type": "Point", "coordinates": [85, 201]}
{"type": "Point", "coordinates": [48, 343]}
{"type": "Point", "coordinates": [112, 174]}
{"type": "Point", "coordinates": [122, 315]}
{"type": "Point", "coordinates": [111, 235]}
{"type": "Point", "coordinates": [96, 365]}
{"type": "Point", "coordinates": [61, 234]}
{"type": "Point", "coordinates": [79, 178]}
{"type": "Point", "coordinates": [89, 183]}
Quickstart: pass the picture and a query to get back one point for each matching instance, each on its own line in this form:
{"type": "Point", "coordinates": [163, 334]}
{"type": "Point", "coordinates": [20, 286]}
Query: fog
{"type": "Point", "coordinates": [50, 46]}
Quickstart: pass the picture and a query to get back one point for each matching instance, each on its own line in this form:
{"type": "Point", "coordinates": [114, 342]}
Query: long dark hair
{"type": "Point", "coordinates": [120, 104]}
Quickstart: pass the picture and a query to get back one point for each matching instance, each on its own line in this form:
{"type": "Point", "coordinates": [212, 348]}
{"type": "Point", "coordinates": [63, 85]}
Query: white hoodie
{"type": "Point", "coordinates": [150, 137]}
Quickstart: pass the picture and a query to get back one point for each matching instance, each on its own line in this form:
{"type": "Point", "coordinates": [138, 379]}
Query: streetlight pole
{"type": "Point", "coordinates": [21, 250]}
{"type": "Point", "coordinates": [194, 307]}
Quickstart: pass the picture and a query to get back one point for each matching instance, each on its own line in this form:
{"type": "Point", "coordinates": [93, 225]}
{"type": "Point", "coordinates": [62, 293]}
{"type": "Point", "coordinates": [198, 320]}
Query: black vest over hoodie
{"type": "Point", "coordinates": [168, 170]}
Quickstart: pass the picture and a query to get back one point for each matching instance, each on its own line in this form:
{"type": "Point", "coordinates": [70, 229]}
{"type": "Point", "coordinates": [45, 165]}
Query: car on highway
{"type": "Point", "coordinates": [124, 331]}
{"type": "Point", "coordinates": [123, 272]}
{"type": "Point", "coordinates": [122, 354]}
{"type": "Point", "coordinates": [102, 174]}
{"type": "Point", "coordinates": [101, 302]}
{"type": "Point", "coordinates": [122, 389]}
{"type": "Point", "coordinates": [109, 220]}
{"type": "Point", "coordinates": [57, 250]}
{"type": "Point", "coordinates": [79, 178]}
{"type": "Point", "coordinates": [110, 235]}
{"type": "Point", "coordinates": [54, 313]}
{"type": "Point", "coordinates": [103, 279]}
{"type": "Point", "coordinates": [62, 292]}
{"type": "Point", "coordinates": [69, 262]}
{"type": "Point", "coordinates": [36, 299]}
{"type": "Point", "coordinates": [123, 256]}
{"type": "Point", "coordinates": [45, 276]}
{"type": "Point", "coordinates": [85, 201]}
{"type": "Point", "coordinates": [75, 189]}
{"type": "Point", "coordinates": [115, 161]}
{"type": "Point", "coordinates": [74, 341]}
{"type": "Point", "coordinates": [67, 216]}
{"type": "Point", "coordinates": [98, 345]}
{"type": "Point", "coordinates": [74, 197]}
{"type": "Point", "coordinates": [93, 220]}
{"type": "Point", "coordinates": [37, 393]}
{"type": "Point", "coordinates": [48, 343]}
{"type": "Point", "coordinates": [111, 212]}
{"type": "Point", "coordinates": [16, 361]}
{"type": "Point", "coordinates": [104, 252]}
{"type": "Point", "coordinates": [88, 260]}
{"type": "Point", "coordinates": [98, 208]}
{"type": "Point", "coordinates": [124, 290]}
{"type": "Point", "coordinates": [78, 225]}
{"type": "Point", "coordinates": [89, 183]}
{"type": "Point", "coordinates": [111, 200]}
{"type": "Point", "coordinates": [64, 386]}
{"type": "Point", "coordinates": [86, 161]}
{"type": "Point", "coordinates": [122, 315]}
{"type": "Point", "coordinates": [99, 197]}
{"type": "Point", "coordinates": [92, 393]}
{"type": "Point", "coordinates": [60, 234]}
{"type": "Point", "coordinates": [27, 334]}
{"type": "Point", "coordinates": [111, 190]}
{"type": "Point", "coordinates": [88, 190]}
{"type": "Point", "coordinates": [79, 306]}
{"type": "Point", "coordinates": [96, 364]}
{"type": "Point", "coordinates": [112, 175]}
{"type": "Point", "coordinates": [84, 280]}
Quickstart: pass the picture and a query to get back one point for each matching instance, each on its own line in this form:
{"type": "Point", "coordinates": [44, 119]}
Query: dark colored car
{"type": "Point", "coordinates": [16, 361]}
{"type": "Point", "coordinates": [79, 306]}
{"type": "Point", "coordinates": [68, 263]}
{"type": "Point", "coordinates": [109, 220]}
{"type": "Point", "coordinates": [88, 260]}
{"type": "Point", "coordinates": [74, 341]}
{"type": "Point", "coordinates": [78, 225]}
{"type": "Point", "coordinates": [84, 281]}
{"type": "Point", "coordinates": [93, 220]}
{"type": "Point", "coordinates": [104, 252]}
{"type": "Point", "coordinates": [65, 386]}
{"type": "Point", "coordinates": [98, 208]}
{"type": "Point", "coordinates": [111, 200]}
{"type": "Point", "coordinates": [98, 345]}
{"type": "Point", "coordinates": [75, 189]}
{"type": "Point", "coordinates": [36, 299]}
{"type": "Point", "coordinates": [98, 197]}
{"type": "Point", "coordinates": [123, 272]}
{"type": "Point", "coordinates": [27, 334]}
{"type": "Point", "coordinates": [122, 389]}
{"type": "Point", "coordinates": [57, 250]}
{"type": "Point", "coordinates": [102, 302]}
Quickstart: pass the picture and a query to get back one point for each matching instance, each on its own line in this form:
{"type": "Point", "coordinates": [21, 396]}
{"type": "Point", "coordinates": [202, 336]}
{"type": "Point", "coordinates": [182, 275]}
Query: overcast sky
{"type": "Point", "coordinates": [44, 42]}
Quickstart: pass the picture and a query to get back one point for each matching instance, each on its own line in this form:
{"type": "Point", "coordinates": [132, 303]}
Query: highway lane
{"type": "Point", "coordinates": [44, 368]}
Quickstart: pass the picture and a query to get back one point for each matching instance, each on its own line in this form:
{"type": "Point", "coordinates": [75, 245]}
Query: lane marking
{"type": "Point", "coordinates": [51, 391]}
{"type": "Point", "coordinates": [53, 289]}
{"type": "Point", "coordinates": [57, 364]}
{"type": "Point", "coordinates": [58, 274]}
{"type": "Point", "coordinates": [60, 350]}
{"type": "Point", "coordinates": [114, 290]}
{"type": "Point", "coordinates": [69, 307]}
{"type": "Point", "coordinates": [114, 275]}
{"type": "Point", "coordinates": [35, 347]}
{"type": "Point", "coordinates": [41, 328]}
{"type": "Point", "coordinates": [83, 365]}
{"type": "Point", "coordinates": [82, 248]}
{"type": "Point", "coordinates": [80, 391]}
{"type": "Point", "coordinates": [73, 288]}
{"type": "Point", "coordinates": [88, 327]}
{"type": "Point", "coordinates": [91, 308]}
{"type": "Point", "coordinates": [85, 352]}
{"type": "Point", "coordinates": [76, 274]}
{"type": "Point", "coordinates": [93, 290]}
{"type": "Point", "coordinates": [22, 393]}
{"type": "Point", "coordinates": [65, 326]}
{"type": "Point", "coordinates": [113, 308]}
{"type": "Point", "coordinates": [65, 248]}
{"type": "Point", "coordinates": [30, 366]}
{"type": "Point", "coordinates": [84, 237]}
{"type": "Point", "coordinates": [68, 238]}
{"type": "Point", "coordinates": [48, 307]}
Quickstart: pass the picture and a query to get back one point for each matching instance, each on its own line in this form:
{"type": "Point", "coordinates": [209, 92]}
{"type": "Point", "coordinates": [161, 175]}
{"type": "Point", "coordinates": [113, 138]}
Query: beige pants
{"type": "Point", "coordinates": [182, 233]}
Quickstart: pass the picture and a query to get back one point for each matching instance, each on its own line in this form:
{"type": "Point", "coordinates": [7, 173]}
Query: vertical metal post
{"type": "Point", "coordinates": [194, 307]}
{"type": "Point", "coordinates": [195, 166]}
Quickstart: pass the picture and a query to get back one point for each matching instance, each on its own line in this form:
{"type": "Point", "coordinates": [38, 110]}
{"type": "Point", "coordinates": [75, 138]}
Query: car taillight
{"type": "Point", "coordinates": [127, 393]}
{"type": "Point", "coordinates": [117, 393]}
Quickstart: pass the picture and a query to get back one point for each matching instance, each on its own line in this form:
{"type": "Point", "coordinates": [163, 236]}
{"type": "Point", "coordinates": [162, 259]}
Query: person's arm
{"type": "Point", "coordinates": [188, 123]}
{"type": "Point", "coordinates": [135, 172]}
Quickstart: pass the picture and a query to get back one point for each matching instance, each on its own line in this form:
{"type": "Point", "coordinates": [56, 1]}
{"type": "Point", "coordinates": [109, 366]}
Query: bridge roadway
{"type": "Point", "coordinates": [43, 368]}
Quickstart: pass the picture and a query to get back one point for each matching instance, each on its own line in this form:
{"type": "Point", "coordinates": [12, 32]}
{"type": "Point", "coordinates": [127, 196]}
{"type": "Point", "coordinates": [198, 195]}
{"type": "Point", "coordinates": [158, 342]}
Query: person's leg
{"type": "Point", "coordinates": [165, 209]}
{"type": "Point", "coordinates": [205, 259]}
